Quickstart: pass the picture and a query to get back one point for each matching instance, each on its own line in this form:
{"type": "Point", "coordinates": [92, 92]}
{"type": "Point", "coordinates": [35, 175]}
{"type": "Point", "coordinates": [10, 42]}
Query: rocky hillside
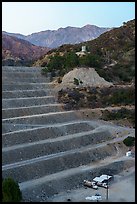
{"type": "Point", "coordinates": [116, 102]}
{"type": "Point", "coordinates": [112, 54]}
{"type": "Point", "coordinates": [19, 52]}
{"type": "Point", "coordinates": [68, 35]}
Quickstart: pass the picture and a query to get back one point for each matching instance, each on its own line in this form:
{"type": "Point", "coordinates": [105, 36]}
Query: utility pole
{"type": "Point", "coordinates": [107, 188]}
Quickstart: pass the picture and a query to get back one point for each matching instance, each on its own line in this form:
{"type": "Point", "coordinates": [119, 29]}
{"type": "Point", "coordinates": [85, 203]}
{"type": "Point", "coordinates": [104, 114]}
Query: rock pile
{"type": "Point", "coordinates": [86, 77]}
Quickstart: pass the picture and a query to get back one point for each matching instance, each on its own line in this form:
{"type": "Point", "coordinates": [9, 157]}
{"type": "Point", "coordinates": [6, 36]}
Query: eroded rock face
{"type": "Point", "coordinates": [87, 76]}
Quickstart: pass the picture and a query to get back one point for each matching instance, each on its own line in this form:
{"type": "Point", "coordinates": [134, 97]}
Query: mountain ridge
{"type": "Point", "coordinates": [55, 38]}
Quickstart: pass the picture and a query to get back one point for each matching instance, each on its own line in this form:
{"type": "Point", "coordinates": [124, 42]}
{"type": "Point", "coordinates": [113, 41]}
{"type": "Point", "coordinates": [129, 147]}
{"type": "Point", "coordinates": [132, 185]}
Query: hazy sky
{"type": "Point", "coordinates": [30, 17]}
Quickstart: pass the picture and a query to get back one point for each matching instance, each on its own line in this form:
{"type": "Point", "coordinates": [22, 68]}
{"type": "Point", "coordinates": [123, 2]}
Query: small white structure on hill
{"type": "Point", "coordinates": [128, 154]}
{"type": "Point", "coordinates": [82, 52]}
{"type": "Point", "coordinates": [83, 48]}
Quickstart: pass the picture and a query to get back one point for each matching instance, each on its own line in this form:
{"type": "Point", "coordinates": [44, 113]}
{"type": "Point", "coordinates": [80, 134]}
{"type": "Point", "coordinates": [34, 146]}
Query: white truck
{"type": "Point", "coordinates": [90, 184]}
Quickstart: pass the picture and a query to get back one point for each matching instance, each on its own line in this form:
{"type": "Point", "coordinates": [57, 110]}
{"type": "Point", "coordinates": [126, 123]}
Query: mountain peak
{"type": "Point", "coordinates": [89, 26]}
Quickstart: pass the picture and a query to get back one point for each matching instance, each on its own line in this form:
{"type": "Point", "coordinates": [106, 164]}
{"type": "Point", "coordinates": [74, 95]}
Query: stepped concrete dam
{"type": "Point", "coordinates": [48, 150]}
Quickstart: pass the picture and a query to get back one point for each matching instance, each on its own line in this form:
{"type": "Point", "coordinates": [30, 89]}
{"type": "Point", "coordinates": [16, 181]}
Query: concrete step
{"type": "Point", "coordinates": [8, 128]}
{"type": "Point", "coordinates": [35, 149]}
{"type": "Point", "coordinates": [32, 79]}
{"type": "Point", "coordinates": [28, 101]}
{"type": "Point", "coordinates": [31, 110]}
{"type": "Point", "coordinates": [23, 75]}
{"type": "Point", "coordinates": [42, 189]}
{"type": "Point", "coordinates": [44, 119]}
{"type": "Point", "coordinates": [42, 133]}
{"type": "Point", "coordinates": [49, 164]}
{"type": "Point", "coordinates": [25, 86]}
{"type": "Point", "coordinates": [21, 69]}
{"type": "Point", "coordinates": [26, 93]}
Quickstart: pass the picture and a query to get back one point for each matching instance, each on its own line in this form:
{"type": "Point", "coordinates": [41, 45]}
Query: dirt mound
{"type": "Point", "coordinates": [85, 77]}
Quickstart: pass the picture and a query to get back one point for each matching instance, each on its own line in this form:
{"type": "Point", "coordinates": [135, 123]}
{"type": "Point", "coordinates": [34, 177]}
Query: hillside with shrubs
{"type": "Point", "coordinates": [112, 55]}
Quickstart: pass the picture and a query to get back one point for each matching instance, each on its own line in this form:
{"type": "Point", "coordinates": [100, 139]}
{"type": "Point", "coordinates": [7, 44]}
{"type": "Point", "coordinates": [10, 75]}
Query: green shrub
{"type": "Point", "coordinates": [44, 71]}
{"type": "Point", "coordinates": [56, 63]}
{"type": "Point", "coordinates": [10, 191]}
{"type": "Point", "coordinates": [122, 96]}
{"type": "Point", "coordinates": [81, 82]}
{"type": "Point", "coordinates": [71, 60]}
{"type": "Point", "coordinates": [90, 60]}
{"type": "Point", "coordinates": [129, 141]}
{"type": "Point", "coordinates": [76, 81]}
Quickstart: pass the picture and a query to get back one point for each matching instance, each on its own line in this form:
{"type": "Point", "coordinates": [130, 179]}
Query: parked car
{"type": "Point", "coordinates": [95, 197]}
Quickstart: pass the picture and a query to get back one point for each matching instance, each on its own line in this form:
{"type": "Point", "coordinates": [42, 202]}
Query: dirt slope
{"type": "Point", "coordinates": [86, 76]}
